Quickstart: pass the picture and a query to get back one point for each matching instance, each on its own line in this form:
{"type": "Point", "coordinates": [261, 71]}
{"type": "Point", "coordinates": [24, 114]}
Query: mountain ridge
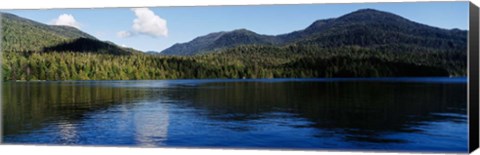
{"type": "Point", "coordinates": [335, 47]}
{"type": "Point", "coordinates": [361, 23]}
{"type": "Point", "coordinates": [24, 35]}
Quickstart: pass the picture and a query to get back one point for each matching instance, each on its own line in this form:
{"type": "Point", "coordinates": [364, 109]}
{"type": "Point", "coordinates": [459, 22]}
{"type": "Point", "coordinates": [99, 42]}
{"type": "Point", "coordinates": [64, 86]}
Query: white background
{"type": "Point", "coordinates": [75, 150]}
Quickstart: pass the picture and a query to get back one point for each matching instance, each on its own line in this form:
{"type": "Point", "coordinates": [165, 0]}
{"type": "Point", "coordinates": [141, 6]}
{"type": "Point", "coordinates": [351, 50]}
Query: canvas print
{"type": "Point", "coordinates": [364, 76]}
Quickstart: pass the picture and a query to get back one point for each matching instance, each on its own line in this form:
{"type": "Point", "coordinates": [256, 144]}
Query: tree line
{"type": "Point", "coordinates": [251, 61]}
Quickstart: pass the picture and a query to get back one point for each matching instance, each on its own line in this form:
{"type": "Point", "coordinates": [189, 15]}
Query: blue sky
{"type": "Point", "coordinates": [185, 23]}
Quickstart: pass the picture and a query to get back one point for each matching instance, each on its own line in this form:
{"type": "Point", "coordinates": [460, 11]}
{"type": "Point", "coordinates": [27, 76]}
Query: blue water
{"type": "Point", "coordinates": [388, 114]}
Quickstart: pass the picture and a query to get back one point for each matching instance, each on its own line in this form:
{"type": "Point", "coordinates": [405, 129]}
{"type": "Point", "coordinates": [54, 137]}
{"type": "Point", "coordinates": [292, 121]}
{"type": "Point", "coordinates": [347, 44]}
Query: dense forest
{"type": "Point", "coordinates": [327, 48]}
{"type": "Point", "coordinates": [240, 62]}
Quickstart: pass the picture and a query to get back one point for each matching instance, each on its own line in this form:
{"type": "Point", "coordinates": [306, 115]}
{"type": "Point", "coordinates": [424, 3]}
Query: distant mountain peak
{"type": "Point", "coordinates": [239, 32]}
{"type": "Point", "coordinates": [242, 30]}
{"type": "Point", "coordinates": [363, 27]}
{"type": "Point", "coordinates": [371, 15]}
{"type": "Point", "coordinates": [367, 10]}
{"type": "Point", "coordinates": [219, 40]}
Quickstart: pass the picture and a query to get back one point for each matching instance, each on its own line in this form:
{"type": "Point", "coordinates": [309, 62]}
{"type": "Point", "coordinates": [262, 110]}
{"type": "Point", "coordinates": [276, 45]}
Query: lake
{"type": "Point", "coordinates": [391, 114]}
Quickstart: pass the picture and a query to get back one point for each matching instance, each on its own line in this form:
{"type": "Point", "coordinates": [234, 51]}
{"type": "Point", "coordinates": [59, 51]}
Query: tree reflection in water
{"type": "Point", "coordinates": [314, 114]}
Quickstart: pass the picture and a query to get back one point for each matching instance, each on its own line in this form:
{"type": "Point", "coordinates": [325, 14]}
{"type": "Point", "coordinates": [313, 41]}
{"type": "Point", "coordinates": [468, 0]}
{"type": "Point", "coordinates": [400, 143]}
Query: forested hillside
{"type": "Point", "coordinates": [24, 35]}
{"type": "Point", "coordinates": [365, 43]}
{"type": "Point", "coordinates": [366, 28]}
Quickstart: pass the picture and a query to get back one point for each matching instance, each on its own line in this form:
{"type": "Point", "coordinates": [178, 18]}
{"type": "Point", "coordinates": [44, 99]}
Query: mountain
{"type": "Point", "coordinates": [364, 28]}
{"type": "Point", "coordinates": [25, 35]}
{"type": "Point", "coordinates": [371, 28]}
{"type": "Point", "coordinates": [219, 40]}
{"type": "Point", "coordinates": [364, 43]}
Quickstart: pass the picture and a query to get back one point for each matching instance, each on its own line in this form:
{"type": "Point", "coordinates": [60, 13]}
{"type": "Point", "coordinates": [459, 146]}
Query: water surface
{"type": "Point", "coordinates": [396, 114]}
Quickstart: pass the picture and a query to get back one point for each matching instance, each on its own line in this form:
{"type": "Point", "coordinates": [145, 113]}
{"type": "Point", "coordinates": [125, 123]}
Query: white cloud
{"type": "Point", "coordinates": [124, 34]}
{"type": "Point", "coordinates": [66, 20]}
{"type": "Point", "coordinates": [148, 23]}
